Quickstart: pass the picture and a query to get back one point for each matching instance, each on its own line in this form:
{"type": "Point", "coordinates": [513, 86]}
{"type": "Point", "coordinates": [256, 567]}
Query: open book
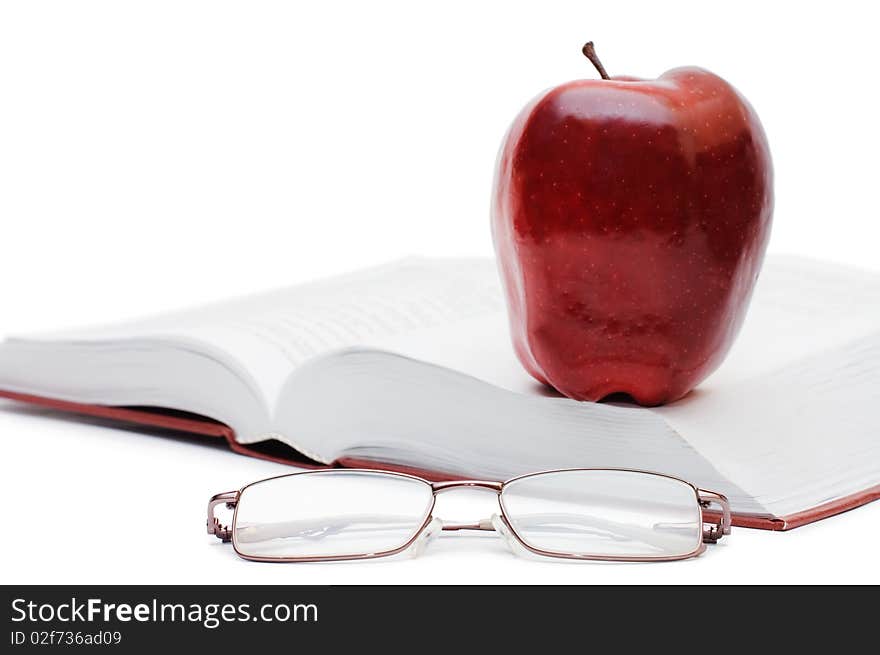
{"type": "Point", "coordinates": [409, 366]}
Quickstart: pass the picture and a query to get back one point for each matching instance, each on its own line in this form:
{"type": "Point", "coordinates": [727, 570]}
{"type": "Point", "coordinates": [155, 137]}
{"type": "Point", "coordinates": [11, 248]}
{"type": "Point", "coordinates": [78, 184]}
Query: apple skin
{"type": "Point", "coordinates": [630, 219]}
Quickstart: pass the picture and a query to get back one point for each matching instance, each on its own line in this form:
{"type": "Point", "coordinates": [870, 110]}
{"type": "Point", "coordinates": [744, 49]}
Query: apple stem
{"type": "Point", "coordinates": [590, 53]}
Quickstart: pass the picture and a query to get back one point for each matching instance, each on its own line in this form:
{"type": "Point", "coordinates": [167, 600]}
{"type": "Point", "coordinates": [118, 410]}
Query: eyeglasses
{"type": "Point", "coordinates": [589, 514]}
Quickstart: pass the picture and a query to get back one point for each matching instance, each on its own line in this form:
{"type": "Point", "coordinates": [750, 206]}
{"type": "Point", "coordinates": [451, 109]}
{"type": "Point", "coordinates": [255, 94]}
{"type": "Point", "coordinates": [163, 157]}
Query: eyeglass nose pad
{"type": "Point", "coordinates": [512, 542]}
{"type": "Point", "coordinates": [431, 530]}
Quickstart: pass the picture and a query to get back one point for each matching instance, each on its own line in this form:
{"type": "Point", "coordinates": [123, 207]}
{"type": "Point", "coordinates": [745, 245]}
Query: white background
{"type": "Point", "coordinates": [159, 154]}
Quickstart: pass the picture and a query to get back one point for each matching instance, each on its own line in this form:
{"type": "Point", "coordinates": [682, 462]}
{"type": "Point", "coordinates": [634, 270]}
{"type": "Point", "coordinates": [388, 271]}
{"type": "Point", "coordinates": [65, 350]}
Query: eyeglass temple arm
{"type": "Point", "coordinates": [222, 532]}
{"type": "Point", "coordinates": [722, 517]}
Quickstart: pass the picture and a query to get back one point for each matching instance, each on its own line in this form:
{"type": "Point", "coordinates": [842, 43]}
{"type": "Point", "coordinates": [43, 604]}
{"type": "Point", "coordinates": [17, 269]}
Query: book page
{"type": "Point", "coordinates": [390, 409]}
{"type": "Point", "coordinates": [801, 307]}
{"type": "Point", "coordinates": [791, 415]}
{"type": "Point", "coordinates": [798, 437]}
{"type": "Point", "coordinates": [479, 346]}
{"type": "Point", "coordinates": [269, 335]}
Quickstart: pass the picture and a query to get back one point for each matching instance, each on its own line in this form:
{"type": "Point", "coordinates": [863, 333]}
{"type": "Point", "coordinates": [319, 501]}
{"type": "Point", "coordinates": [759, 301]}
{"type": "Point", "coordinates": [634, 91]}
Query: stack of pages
{"type": "Point", "coordinates": [409, 366]}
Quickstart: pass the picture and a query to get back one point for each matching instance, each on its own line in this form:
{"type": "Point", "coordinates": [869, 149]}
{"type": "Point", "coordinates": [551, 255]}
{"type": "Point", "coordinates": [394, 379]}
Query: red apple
{"type": "Point", "coordinates": [630, 219]}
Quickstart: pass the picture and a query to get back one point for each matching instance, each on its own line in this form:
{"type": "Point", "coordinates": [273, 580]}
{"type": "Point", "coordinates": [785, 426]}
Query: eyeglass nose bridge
{"type": "Point", "coordinates": [487, 485]}
{"type": "Point", "coordinates": [440, 487]}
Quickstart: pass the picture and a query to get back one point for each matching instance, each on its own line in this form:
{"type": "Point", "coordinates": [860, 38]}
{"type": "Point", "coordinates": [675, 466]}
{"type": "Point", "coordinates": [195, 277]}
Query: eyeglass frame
{"type": "Point", "coordinates": [716, 523]}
